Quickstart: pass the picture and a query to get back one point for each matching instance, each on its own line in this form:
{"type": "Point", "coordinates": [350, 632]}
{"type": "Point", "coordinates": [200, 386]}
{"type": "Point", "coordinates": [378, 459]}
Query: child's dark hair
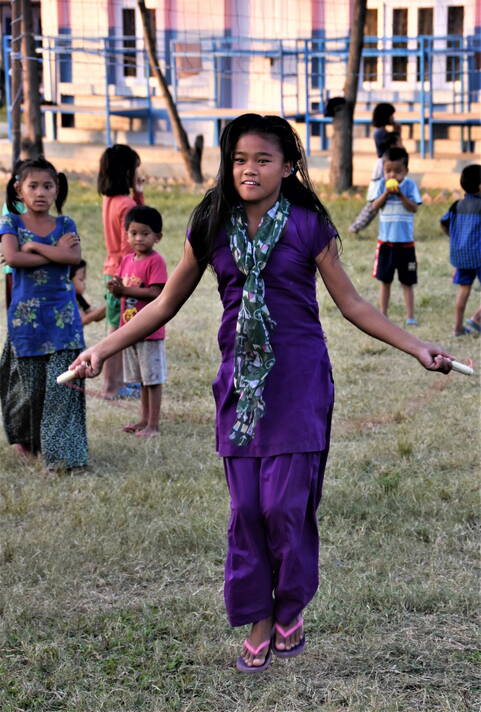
{"type": "Point", "coordinates": [145, 215]}
{"type": "Point", "coordinates": [333, 105]}
{"type": "Point", "coordinates": [20, 173]}
{"type": "Point", "coordinates": [397, 154]}
{"type": "Point", "coordinates": [75, 268]}
{"type": "Point", "coordinates": [392, 138]}
{"type": "Point", "coordinates": [471, 178]}
{"type": "Point", "coordinates": [118, 164]}
{"type": "Point", "coordinates": [381, 114]}
{"type": "Point", "coordinates": [213, 211]}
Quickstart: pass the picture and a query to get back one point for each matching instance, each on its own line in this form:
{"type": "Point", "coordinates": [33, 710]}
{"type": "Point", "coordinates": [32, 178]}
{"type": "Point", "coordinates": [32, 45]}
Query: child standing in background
{"type": "Point", "coordinates": [88, 314]}
{"type": "Point", "coordinates": [462, 223]}
{"type": "Point", "coordinates": [397, 198]}
{"type": "Point", "coordinates": [384, 124]}
{"type": "Point", "coordinates": [368, 213]}
{"type": "Point", "coordinates": [384, 139]}
{"type": "Point", "coordinates": [141, 277]}
{"type": "Point", "coordinates": [121, 186]}
{"type": "Point", "coordinates": [44, 326]}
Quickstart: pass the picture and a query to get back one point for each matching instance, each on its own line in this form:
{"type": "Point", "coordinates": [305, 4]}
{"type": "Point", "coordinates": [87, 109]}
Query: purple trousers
{"type": "Point", "coordinates": [271, 568]}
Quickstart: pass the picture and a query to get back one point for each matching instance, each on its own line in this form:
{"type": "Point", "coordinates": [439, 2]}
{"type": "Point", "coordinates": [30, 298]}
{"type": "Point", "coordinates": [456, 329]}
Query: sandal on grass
{"type": "Point", "coordinates": [473, 325]}
{"type": "Point", "coordinates": [291, 652]}
{"type": "Point", "coordinates": [464, 332]}
{"type": "Point", "coordinates": [242, 666]}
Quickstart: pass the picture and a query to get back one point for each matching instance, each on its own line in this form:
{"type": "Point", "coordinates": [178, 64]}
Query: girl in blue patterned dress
{"type": "Point", "coordinates": [44, 325]}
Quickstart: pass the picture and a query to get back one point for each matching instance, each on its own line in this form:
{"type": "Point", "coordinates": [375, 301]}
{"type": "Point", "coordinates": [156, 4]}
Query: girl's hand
{"type": "Point", "coordinates": [434, 358]}
{"type": "Point", "coordinates": [115, 286]}
{"type": "Point", "coordinates": [139, 180]}
{"type": "Point", "coordinates": [88, 364]}
{"type": "Point", "coordinates": [70, 239]}
{"type": "Point", "coordinates": [28, 246]}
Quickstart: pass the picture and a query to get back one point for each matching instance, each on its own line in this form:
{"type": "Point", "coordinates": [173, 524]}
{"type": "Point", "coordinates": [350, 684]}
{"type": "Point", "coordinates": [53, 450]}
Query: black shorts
{"type": "Point", "coordinates": [392, 256]}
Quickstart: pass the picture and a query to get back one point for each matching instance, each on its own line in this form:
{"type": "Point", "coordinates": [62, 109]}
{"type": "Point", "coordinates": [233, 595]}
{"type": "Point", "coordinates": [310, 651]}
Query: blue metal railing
{"type": "Point", "coordinates": [314, 61]}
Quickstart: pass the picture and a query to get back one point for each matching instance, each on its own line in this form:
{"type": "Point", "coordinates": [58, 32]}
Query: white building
{"type": "Point", "coordinates": [267, 55]}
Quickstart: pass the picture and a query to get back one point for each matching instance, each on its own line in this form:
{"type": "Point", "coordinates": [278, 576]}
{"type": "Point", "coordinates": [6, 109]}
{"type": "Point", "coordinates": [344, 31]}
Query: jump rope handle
{"type": "Point", "coordinates": [462, 368]}
{"type": "Point", "coordinates": [66, 376]}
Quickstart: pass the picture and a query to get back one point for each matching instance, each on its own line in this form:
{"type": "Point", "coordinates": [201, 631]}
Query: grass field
{"type": "Point", "coordinates": [111, 580]}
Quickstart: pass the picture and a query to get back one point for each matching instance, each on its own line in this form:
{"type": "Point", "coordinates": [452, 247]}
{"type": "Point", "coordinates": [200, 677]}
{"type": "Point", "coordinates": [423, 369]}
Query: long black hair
{"type": "Point", "coordinates": [118, 164]}
{"type": "Point", "coordinates": [381, 114]}
{"type": "Point", "coordinates": [20, 173]}
{"type": "Point", "coordinates": [212, 212]}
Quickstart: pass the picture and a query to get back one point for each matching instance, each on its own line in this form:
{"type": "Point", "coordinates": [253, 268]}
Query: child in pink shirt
{"type": "Point", "coordinates": [140, 279]}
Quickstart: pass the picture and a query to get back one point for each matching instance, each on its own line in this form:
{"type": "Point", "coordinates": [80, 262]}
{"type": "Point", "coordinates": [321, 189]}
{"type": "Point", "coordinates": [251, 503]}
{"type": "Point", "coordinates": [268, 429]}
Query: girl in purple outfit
{"type": "Point", "coordinates": [265, 234]}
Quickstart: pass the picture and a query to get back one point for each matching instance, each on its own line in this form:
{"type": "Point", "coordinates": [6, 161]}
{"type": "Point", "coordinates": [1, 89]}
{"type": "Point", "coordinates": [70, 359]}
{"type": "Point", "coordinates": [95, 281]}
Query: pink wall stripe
{"type": "Point", "coordinates": [228, 11]}
{"type": "Point", "coordinates": [318, 14]}
{"type": "Point", "coordinates": [169, 15]}
{"type": "Point", "coordinates": [63, 13]}
{"type": "Point", "coordinates": [111, 13]}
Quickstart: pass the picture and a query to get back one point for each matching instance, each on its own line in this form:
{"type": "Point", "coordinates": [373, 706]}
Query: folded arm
{"type": "Point", "coordinates": [14, 257]}
{"type": "Point", "coordinates": [66, 251]}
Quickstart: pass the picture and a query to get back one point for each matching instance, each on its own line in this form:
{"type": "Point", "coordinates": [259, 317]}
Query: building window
{"type": "Point", "coordinates": [399, 30]}
{"type": "Point", "coordinates": [425, 28]}
{"type": "Point", "coordinates": [128, 31]}
{"type": "Point", "coordinates": [188, 61]}
{"type": "Point", "coordinates": [455, 27]}
{"type": "Point", "coordinates": [370, 63]}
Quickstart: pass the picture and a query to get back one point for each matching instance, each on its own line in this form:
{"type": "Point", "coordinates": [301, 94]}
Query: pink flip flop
{"type": "Point", "coordinates": [292, 652]}
{"type": "Point", "coordinates": [243, 667]}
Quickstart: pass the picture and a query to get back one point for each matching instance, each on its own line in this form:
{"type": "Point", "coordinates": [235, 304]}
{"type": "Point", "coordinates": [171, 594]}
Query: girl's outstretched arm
{"type": "Point", "coordinates": [367, 318]}
{"type": "Point", "coordinates": [177, 290]}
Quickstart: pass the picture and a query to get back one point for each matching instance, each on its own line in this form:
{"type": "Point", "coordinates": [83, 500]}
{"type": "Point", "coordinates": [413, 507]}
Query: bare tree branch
{"type": "Point", "coordinates": [192, 156]}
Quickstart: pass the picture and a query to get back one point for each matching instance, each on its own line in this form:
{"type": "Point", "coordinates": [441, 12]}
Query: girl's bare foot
{"type": "Point", "coordinates": [260, 632]}
{"type": "Point", "coordinates": [133, 427]}
{"type": "Point", "coordinates": [290, 635]}
{"type": "Point", "coordinates": [147, 432]}
{"type": "Point", "coordinates": [22, 451]}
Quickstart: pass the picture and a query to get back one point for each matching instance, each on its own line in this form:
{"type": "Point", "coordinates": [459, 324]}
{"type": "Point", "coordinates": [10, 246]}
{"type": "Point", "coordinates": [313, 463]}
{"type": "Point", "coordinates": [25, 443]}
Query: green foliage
{"type": "Point", "coordinates": [111, 579]}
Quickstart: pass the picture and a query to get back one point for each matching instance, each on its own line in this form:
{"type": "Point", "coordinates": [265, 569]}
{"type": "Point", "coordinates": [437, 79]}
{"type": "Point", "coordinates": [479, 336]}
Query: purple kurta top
{"type": "Point", "coordinates": [299, 390]}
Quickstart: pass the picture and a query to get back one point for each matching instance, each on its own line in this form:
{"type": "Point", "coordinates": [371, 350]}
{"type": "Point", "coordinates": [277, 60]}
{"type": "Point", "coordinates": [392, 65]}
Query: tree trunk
{"type": "Point", "coordinates": [16, 80]}
{"type": "Point", "coordinates": [341, 154]}
{"type": "Point", "coordinates": [192, 156]}
{"type": "Point", "coordinates": [31, 85]}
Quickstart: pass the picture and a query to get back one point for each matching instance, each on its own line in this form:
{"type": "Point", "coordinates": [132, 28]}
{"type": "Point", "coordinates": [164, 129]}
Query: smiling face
{"type": "Point", "coordinates": [38, 190]}
{"type": "Point", "coordinates": [394, 169]}
{"type": "Point", "coordinates": [258, 167]}
{"type": "Point", "coordinates": [142, 238]}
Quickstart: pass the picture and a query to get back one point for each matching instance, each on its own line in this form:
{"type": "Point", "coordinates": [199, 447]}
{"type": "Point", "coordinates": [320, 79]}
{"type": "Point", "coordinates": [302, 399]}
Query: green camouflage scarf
{"type": "Point", "coordinates": [253, 354]}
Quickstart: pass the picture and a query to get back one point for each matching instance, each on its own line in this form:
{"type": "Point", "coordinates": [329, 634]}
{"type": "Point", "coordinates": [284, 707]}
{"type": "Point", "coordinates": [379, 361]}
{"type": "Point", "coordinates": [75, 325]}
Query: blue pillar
{"type": "Point", "coordinates": [225, 69]}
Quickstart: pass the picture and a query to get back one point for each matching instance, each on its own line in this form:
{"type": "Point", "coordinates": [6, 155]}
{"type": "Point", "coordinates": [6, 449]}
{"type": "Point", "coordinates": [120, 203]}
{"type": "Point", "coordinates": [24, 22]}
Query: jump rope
{"type": "Point", "coordinates": [67, 377]}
